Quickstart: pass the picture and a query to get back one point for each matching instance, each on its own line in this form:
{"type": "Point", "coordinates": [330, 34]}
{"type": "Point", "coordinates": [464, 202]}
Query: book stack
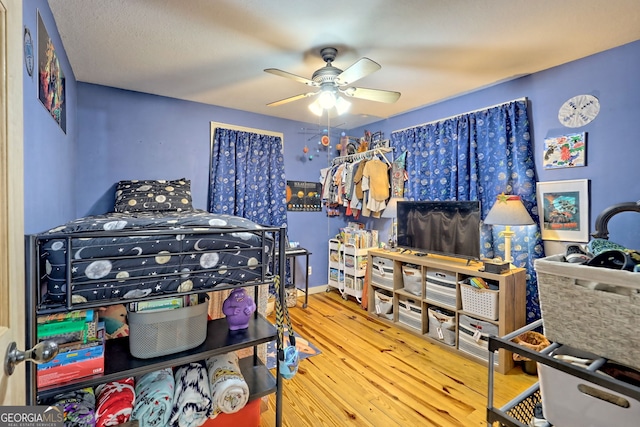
{"type": "Point", "coordinates": [80, 338]}
{"type": "Point", "coordinates": [164, 303]}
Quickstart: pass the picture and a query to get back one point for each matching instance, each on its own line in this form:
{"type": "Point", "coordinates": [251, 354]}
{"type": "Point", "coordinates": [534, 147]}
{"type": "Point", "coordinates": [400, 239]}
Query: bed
{"type": "Point", "coordinates": [154, 243]}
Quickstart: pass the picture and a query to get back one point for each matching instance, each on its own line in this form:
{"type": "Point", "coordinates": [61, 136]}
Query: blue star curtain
{"type": "Point", "coordinates": [247, 177]}
{"type": "Point", "coordinates": [477, 156]}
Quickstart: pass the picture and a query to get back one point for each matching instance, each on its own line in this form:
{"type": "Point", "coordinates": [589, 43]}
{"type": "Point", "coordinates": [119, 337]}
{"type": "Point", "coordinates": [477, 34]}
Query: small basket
{"type": "Point", "coordinates": [158, 333]}
{"type": "Point", "coordinates": [481, 302]}
{"type": "Point", "coordinates": [291, 295]}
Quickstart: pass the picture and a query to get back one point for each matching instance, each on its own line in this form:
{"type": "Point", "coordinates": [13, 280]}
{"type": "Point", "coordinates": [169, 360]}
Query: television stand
{"type": "Point", "coordinates": [437, 285]}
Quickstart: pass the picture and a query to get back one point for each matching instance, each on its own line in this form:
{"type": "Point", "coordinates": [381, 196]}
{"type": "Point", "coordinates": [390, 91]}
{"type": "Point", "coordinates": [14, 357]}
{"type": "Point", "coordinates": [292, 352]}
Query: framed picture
{"type": "Point", "coordinates": [563, 207]}
{"type": "Point", "coordinates": [566, 151]}
{"type": "Point", "coordinates": [51, 81]}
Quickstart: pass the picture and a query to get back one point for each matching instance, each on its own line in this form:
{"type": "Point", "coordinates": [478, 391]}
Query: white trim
{"type": "Point", "coordinates": [524, 98]}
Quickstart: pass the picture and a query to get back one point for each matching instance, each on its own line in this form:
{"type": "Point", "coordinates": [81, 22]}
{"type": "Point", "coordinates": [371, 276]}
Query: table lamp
{"type": "Point", "coordinates": [508, 210]}
{"type": "Point", "coordinates": [391, 211]}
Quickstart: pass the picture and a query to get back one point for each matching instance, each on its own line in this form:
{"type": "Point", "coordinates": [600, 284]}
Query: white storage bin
{"type": "Point", "coordinates": [473, 336]}
{"type": "Point", "coordinates": [441, 287]}
{"type": "Point", "coordinates": [383, 301]}
{"type": "Point", "coordinates": [410, 312]}
{"type": "Point", "coordinates": [569, 401]}
{"type": "Point", "coordinates": [481, 302]}
{"type": "Point", "coordinates": [412, 279]}
{"type": "Point", "coordinates": [382, 272]}
{"type": "Point", "coordinates": [442, 325]}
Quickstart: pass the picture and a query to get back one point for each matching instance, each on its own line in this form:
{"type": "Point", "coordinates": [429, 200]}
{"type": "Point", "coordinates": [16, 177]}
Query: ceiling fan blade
{"type": "Point", "coordinates": [379, 95]}
{"type": "Point", "coordinates": [288, 75]}
{"type": "Point", "coordinates": [291, 99]}
{"type": "Point", "coordinates": [359, 69]}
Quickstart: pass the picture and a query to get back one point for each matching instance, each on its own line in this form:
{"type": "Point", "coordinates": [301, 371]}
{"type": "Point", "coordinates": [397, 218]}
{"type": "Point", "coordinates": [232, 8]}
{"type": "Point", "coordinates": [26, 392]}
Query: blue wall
{"type": "Point", "coordinates": [114, 134]}
{"type": "Point", "coordinates": [49, 153]}
{"type": "Point", "coordinates": [613, 152]}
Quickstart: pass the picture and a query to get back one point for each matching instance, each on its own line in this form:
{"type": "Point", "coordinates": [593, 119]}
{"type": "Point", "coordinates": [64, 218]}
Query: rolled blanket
{"type": "Point", "coordinates": [229, 390]}
{"type": "Point", "coordinates": [154, 398]}
{"type": "Point", "coordinates": [79, 407]}
{"type": "Point", "coordinates": [192, 399]}
{"type": "Point", "coordinates": [115, 402]}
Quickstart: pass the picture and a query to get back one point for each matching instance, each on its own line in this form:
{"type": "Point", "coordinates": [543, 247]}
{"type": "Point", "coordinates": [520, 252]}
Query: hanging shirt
{"type": "Point", "coordinates": [376, 171]}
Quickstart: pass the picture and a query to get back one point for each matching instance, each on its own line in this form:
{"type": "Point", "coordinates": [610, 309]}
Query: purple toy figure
{"type": "Point", "coordinates": [238, 308]}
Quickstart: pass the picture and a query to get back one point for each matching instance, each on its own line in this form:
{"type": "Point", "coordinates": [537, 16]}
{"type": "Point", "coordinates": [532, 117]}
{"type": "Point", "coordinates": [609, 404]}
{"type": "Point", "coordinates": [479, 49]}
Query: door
{"type": "Point", "coordinates": [12, 310]}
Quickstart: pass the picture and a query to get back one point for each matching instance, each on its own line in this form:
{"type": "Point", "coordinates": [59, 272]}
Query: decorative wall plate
{"type": "Point", "coordinates": [579, 110]}
{"type": "Point", "coordinates": [28, 51]}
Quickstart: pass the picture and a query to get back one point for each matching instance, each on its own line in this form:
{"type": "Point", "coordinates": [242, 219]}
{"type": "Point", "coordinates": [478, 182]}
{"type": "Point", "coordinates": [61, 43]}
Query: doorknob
{"type": "Point", "coordinates": [41, 353]}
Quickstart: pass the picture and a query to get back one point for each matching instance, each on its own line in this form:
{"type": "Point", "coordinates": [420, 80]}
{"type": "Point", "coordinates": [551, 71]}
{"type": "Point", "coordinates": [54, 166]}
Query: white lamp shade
{"type": "Point", "coordinates": [508, 210]}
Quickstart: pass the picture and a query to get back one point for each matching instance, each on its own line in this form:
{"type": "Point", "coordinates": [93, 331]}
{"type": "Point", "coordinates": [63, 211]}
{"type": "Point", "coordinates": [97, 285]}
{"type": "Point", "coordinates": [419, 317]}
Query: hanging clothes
{"type": "Point", "coordinates": [376, 179]}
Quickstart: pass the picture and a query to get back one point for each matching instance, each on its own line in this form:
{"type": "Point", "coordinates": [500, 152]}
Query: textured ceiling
{"type": "Point", "coordinates": [214, 52]}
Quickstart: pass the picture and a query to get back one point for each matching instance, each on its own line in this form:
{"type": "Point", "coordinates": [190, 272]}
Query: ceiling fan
{"type": "Point", "coordinates": [332, 80]}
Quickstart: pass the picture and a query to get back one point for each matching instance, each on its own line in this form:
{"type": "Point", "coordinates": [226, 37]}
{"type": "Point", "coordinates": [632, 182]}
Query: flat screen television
{"type": "Point", "coordinates": [449, 228]}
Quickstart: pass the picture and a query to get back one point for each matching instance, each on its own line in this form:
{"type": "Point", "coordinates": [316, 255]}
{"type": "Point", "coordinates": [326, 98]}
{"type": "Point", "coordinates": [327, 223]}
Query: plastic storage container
{"type": "Point", "coordinates": [157, 333]}
{"type": "Point", "coordinates": [481, 302]}
{"type": "Point", "coordinates": [569, 401]}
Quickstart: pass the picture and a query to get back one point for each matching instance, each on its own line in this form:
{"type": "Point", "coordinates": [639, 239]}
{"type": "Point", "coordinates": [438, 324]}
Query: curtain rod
{"type": "Point", "coordinates": [524, 98]}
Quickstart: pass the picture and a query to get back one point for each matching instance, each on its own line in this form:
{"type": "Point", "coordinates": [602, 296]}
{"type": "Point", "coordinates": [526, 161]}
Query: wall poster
{"type": "Point", "coordinates": [303, 196]}
{"type": "Point", "coordinates": [51, 81]}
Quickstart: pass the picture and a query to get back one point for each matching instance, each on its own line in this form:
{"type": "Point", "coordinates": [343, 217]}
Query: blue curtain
{"type": "Point", "coordinates": [477, 156]}
{"type": "Point", "coordinates": [247, 177]}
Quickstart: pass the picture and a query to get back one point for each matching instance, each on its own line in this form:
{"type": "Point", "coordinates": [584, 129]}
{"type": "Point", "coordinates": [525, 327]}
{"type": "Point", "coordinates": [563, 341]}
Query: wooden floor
{"type": "Point", "coordinates": [373, 374]}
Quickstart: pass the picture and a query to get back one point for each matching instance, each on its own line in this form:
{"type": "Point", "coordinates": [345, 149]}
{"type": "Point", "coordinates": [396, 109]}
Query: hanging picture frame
{"type": "Point", "coordinates": [51, 80]}
{"type": "Point", "coordinates": [563, 208]}
{"type": "Point", "coordinates": [565, 151]}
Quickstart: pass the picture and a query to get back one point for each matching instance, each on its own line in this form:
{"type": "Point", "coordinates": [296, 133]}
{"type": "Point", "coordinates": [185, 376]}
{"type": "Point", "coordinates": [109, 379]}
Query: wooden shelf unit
{"type": "Point", "coordinates": [511, 298]}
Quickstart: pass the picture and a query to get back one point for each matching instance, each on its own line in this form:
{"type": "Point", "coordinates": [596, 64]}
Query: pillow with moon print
{"type": "Point", "coordinates": [153, 195]}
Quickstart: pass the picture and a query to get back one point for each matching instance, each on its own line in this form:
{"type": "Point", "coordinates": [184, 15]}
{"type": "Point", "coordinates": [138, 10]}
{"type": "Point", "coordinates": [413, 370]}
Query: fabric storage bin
{"type": "Point", "coordinates": [441, 287]}
{"type": "Point", "coordinates": [157, 333]}
{"type": "Point", "coordinates": [442, 325]}
{"type": "Point", "coordinates": [382, 272]}
{"type": "Point", "coordinates": [481, 302]}
{"type": "Point", "coordinates": [410, 312]}
{"type": "Point", "coordinates": [569, 401]}
{"type": "Point", "coordinates": [473, 336]}
{"type": "Point", "coordinates": [412, 279]}
{"type": "Point", "coordinates": [383, 303]}
{"type": "Point", "coordinates": [581, 309]}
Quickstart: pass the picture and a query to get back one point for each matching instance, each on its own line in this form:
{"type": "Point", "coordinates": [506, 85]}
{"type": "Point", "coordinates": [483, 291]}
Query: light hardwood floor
{"type": "Point", "coordinates": [371, 373]}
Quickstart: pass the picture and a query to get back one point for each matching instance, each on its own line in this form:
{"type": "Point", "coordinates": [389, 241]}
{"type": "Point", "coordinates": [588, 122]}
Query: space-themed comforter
{"type": "Point", "coordinates": [118, 255]}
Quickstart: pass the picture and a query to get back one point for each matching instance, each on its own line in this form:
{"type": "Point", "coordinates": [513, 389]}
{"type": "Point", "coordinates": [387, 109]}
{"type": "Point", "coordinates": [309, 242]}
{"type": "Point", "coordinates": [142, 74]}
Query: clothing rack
{"type": "Point", "coordinates": [364, 155]}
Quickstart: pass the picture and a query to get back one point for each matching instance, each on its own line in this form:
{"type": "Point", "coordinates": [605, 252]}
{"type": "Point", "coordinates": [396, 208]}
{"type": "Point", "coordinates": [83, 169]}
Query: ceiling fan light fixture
{"type": "Point", "coordinates": [342, 105]}
{"type": "Point", "coordinates": [315, 108]}
{"type": "Point", "coordinates": [327, 99]}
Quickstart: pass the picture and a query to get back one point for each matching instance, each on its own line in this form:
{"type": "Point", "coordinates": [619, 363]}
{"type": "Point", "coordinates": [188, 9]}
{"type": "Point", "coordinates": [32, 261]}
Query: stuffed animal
{"type": "Point", "coordinates": [238, 308]}
{"type": "Point", "coordinates": [115, 320]}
